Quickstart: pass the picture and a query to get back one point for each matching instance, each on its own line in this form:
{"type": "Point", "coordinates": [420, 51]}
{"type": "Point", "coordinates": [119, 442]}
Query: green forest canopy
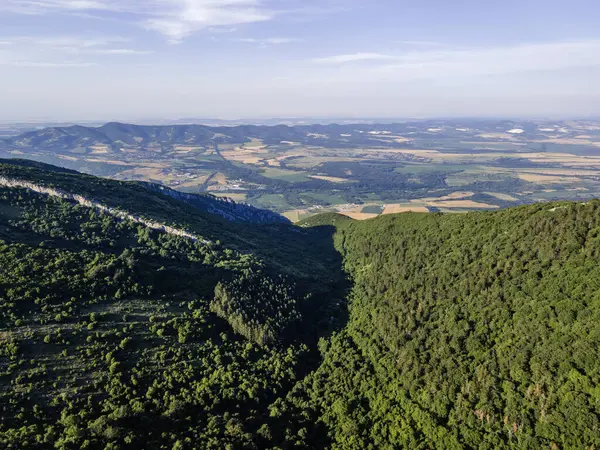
{"type": "Point", "coordinates": [406, 331]}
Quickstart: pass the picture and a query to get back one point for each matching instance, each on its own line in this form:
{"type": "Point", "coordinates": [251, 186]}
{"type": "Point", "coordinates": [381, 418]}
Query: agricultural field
{"type": "Point", "coordinates": [359, 170]}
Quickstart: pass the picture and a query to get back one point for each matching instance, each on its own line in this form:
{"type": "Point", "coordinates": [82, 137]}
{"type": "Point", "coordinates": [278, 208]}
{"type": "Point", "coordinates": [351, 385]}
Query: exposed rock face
{"type": "Point", "coordinates": [12, 183]}
{"type": "Point", "coordinates": [224, 207]}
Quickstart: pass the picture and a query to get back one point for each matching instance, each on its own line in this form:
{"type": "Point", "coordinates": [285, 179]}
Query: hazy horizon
{"type": "Point", "coordinates": [131, 61]}
{"type": "Point", "coordinates": [282, 120]}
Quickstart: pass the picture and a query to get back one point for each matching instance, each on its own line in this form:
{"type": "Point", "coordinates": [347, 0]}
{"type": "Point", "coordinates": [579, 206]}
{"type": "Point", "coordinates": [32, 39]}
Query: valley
{"type": "Point", "coordinates": [362, 170]}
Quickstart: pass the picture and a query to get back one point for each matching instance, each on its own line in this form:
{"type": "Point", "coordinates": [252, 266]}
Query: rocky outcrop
{"type": "Point", "coordinates": [223, 207]}
{"type": "Point", "coordinates": [53, 192]}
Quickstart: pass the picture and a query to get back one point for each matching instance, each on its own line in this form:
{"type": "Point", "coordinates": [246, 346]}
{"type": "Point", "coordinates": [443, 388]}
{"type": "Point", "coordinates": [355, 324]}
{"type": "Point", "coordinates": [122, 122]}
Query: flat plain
{"type": "Point", "coordinates": [361, 171]}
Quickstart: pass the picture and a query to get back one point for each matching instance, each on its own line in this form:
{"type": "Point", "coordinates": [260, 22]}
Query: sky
{"type": "Point", "coordinates": [166, 59]}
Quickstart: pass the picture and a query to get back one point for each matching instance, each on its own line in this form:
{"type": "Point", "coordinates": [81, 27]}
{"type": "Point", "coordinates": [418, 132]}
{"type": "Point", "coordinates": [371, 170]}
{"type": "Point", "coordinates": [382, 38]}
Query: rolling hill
{"type": "Point", "coordinates": [143, 137]}
{"type": "Point", "coordinates": [134, 319]}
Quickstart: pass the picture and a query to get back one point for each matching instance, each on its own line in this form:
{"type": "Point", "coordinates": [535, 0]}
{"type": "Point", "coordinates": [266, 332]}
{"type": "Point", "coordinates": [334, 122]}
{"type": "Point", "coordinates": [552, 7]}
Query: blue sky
{"type": "Point", "coordinates": [144, 59]}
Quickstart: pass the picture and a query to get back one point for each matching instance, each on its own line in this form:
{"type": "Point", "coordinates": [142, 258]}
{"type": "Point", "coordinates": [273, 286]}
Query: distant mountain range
{"type": "Point", "coordinates": [142, 137]}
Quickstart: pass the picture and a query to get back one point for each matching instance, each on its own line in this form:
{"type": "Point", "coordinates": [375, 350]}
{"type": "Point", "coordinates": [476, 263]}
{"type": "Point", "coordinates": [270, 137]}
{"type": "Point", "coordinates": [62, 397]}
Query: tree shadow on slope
{"type": "Point", "coordinates": [290, 420]}
{"type": "Point", "coordinates": [302, 283]}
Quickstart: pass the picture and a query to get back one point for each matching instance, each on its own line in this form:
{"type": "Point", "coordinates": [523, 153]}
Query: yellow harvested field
{"type": "Point", "coordinates": [217, 181]}
{"type": "Point", "coordinates": [505, 197]}
{"type": "Point", "coordinates": [595, 165]}
{"type": "Point", "coordinates": [453, 196]}
{"type": "Point", "coordinates": [332, 179]}
{"type": "Point", "coordinates": [461, 204]}
{"type": "Point", "coordinates": [195, 182]}
{"type": "Point", "coordinates": [579, 140]}
{"type": "Point", "coordinates": [144, 173]}
{"type": "Point", "coordinates": [185, 148]}
{"type": "Point", "coordinates": [504, 136]}
{"type": "Point", "coordinates": [124, 163]}
{"type": "Point", "coordinates": [359, 216]}
{"type": "Point", "coordinates": [402, 208]}
{"type": "Point", "coordinates": [219, 178]}
{"type": "Point", "coordinates": [244, 155]}
{"type": "Point", "coordinates": [245, 158]}
{"type": "Point", "coordinates": [99, 149]}
{"type": "Point", "coordinates": [406, 151]}
{"type": "Point", "coordinates": [536, 178]}
{"type": "Point", "coordinates": [294, 216]}
{"type": "Point", "coordinates": [254, 144]}
{"type": "Point", "coordinates": [563, 172]}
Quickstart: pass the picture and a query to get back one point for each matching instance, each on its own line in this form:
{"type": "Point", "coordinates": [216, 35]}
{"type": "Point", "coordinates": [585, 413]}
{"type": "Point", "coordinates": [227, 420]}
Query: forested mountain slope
{"type": "Point", "coordinates": [471, 331]}
{"type": "Point", "coordinates": [224, 207]}
{"type": "Point", "coordinates": [433, 331]}
{"type": "Point", "coordinates": [115, 334]}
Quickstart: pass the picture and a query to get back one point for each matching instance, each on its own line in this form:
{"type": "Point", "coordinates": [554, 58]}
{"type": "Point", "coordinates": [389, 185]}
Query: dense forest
{"type": "Point", "coordinates": [421, 331]}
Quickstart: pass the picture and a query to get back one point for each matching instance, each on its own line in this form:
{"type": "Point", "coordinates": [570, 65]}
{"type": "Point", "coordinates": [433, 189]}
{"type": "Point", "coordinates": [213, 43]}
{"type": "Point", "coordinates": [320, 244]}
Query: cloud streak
{"type": "Point", "coordinates": [269, 41]}
{"type": "Point", "coordinates": [473, 62]}
{"type": "Point", "coordinates": [61, 51]}
{"type": "Point", "coordinates": [180, 18]}
{"type": "Point", "coordinates": [38, 7]}
{"type": "Point", "coordinates": [175, 19]}
{"type": "Point", "coordinates": [354, 57]}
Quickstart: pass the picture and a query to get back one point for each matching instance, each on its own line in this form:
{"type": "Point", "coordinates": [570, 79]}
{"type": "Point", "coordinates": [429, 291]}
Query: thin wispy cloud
{"type": "Point", "coordinates": [269, 41]}
{"type": "Point", "coordinates": [175, 19]}
{"type": "Point", "coordinates": [42, 64]}
{"type": "Point", "coordinates": [353, 57]}
{"type": "Point", "coordinates": [122, 51]}
{"type": "Point", "coordinates": [42, 51]}
{"type": "Point", "coordinates": [180, 18]}
{"type": "Point", "coordinates": [36, 7]}
{"type": "Point", "coordinates": [420, 43]}
{"type": "Point", "coordinates": [69, 42]}
{"type": "Point", "coordinates": [222, 30]}
{"type": "Point", "coordinates": [498, 60]}
{"type": "Point", "coordinates": [428, 64]}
